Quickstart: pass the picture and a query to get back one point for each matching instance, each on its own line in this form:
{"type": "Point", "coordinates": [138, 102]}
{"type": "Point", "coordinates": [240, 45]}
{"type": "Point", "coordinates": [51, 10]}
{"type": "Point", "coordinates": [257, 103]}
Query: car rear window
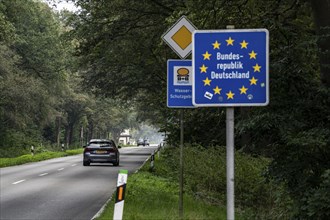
{"type": "Point", "coordinates": [100, 144]}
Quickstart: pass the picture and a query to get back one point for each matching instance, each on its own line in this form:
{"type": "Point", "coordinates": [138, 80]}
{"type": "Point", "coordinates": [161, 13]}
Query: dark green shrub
{"type": "Point", "coordinates": [318, 200]}
{"type": "Point", "coordinates": [205, 177]}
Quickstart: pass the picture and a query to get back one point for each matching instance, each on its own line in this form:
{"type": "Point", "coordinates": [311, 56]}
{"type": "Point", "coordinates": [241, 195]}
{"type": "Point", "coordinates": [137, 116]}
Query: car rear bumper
{"type": "Point", "coordinates": [100, 158]}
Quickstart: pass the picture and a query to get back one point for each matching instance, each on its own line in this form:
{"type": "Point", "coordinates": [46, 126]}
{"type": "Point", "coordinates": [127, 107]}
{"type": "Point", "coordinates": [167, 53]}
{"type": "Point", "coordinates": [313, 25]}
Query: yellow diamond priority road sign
{"type": "Point", "coordinates": [179, 37]}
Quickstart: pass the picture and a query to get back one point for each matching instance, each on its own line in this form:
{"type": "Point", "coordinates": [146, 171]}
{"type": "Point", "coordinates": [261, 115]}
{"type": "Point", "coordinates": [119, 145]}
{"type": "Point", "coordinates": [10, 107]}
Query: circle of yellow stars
{"type": "Point", "coordinates": [242, 90]}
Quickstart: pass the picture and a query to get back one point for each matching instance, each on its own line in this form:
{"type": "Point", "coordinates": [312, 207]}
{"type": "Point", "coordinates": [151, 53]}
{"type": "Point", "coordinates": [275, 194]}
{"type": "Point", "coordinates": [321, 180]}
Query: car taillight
{"type": "Point", "coordinates": [112, 150]}
{"type": "Point", "coordinates": [87, 150]}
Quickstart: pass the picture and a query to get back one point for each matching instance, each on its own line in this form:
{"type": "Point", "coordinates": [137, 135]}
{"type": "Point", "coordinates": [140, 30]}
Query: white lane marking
{"type": "Point", "coordinates": [73, 165]}
{"type": "Point", "coordinates": [60, 169]}
{"type": "Point", "coordinates": [20, 181]}
{"type": "Point", "coordinates": [43, 174]}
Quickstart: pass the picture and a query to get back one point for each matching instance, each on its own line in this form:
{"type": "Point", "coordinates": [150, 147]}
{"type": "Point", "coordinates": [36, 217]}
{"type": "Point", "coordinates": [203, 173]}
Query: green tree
{"type": "Point", "coordinates": [38, 38]}
{"type": "Point", "coordinates": [109, 118]}
{"type": "Point", "coordinates": [322, 23]}
{"type": "Point", "coordinates": [122, 56]}
{"type": "Point", "coordinates": [32, 71]}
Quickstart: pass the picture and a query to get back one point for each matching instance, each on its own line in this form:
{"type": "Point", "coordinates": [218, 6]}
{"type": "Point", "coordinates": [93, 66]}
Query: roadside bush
{"type": "Point", "coordinates": [205, 177]}
{"type": "Point", "coordinates": [10, 152]}
{"type": "Point", "coordinates": [318, 200]}
{"type": "Point", "coordinates": [5, 162]}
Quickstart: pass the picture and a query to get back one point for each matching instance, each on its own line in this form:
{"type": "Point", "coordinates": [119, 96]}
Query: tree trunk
{"type": "Point", "coordinates": [81, 136]}
{"type": "Point", "coordinates": [116, 135]}
{"type": "Point", "coordinates": [91, 131]}
{"type": "Point", "coordinates": [87, 136]}
{"type": "Point", "coordinates": [67, 136]}
{"type": "Point", "coordinates": [71, 125]}
{"type": "Point", "coordinates": [58, 130]}
{"type": "Point", "coordinates": [321, 10]}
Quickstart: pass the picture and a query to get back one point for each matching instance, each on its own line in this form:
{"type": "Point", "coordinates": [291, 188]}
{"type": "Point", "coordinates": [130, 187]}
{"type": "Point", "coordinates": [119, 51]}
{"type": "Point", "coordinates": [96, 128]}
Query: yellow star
{"type": "Point", "coordinates": [253, 81]}
{"type": "Point", "coordinates": [207, 55]}
{"type": "Point", "coordinates": [230, 95]}
{"type": "Point", "coordinates": [243, 90]}
{"type": "Point", "coordinates": [256, 68]}
{"type": "Point", "coordinates": [216, 45]}
{"type": "Point", "coordinates": [230, 41]}
{"type": "Point", "coordinates": [207, 81]}
{"type": "Point", "coordinates": [253, 55]}
{"type": "Point", "coordinates": [244, 44]}
{"type": "Point", "coordinates": [203, 69]}
{"type": "Point", "coordinates": [217, 90]}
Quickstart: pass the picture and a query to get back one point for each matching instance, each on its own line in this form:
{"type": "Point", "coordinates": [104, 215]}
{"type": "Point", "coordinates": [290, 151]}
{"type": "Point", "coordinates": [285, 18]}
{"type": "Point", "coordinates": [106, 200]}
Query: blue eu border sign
{"type": "Point", "coordinates": [230, 67]}
{"type": "Point", "coordinates": [179, 83]}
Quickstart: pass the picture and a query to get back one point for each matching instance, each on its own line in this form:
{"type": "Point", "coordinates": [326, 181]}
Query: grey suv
{"type": "Point", "coordinates": [101, 151]}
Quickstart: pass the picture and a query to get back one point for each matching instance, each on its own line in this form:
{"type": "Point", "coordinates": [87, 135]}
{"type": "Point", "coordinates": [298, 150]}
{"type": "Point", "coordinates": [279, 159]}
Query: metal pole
{"type": "Point", "coordinates": [230, 159]}
{"type": "Point", "coordinates": [152, 161]}
{"type": "Point", "coordinates": [181, 166]}
{"type": "Point", "coordinates": [230, 163]}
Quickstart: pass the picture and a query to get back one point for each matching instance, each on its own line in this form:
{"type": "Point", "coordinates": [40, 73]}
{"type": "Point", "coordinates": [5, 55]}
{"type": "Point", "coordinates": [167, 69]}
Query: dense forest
{"type": "Point", "coordinates": [67, 76]}
{"type": "Point", "coordinates": [42, 101]}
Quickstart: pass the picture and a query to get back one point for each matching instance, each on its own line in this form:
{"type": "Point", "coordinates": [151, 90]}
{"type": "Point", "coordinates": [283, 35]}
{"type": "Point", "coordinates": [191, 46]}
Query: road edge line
{"type": "Point", "coordinates": [98, 214]}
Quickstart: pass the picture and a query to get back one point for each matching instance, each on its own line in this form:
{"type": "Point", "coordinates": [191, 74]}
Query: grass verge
{"type": "Point", "coordinates": [5, 162]}
{"type": "Point", "coordinates": [154, 194]}
{"type": "Point", "coordinates": [153, 197]}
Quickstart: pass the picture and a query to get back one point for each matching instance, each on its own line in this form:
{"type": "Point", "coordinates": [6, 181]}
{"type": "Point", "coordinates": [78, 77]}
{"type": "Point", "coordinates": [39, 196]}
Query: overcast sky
{"type": "Point", "coordinates": [64, 5]}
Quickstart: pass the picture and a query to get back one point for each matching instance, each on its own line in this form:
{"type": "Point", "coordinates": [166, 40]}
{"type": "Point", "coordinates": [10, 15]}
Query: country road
{"type": "Point", "coordinates": [63, 188]}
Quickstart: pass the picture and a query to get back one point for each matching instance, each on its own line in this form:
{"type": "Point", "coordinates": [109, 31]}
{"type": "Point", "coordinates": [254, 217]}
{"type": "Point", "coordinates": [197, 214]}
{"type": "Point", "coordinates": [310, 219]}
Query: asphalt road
{"type": "Point", "coordinates": [63, 188]}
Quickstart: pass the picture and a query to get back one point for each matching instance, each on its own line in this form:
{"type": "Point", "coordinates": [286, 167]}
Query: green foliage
{"type": "Point", "coordinates": [11, 152]}
{"type": "Point", "coordinates": [108, 118]}
{"type": "Point", "coordinates": [41, 98]}
{"type": "Point", "coordinates": [292, 130]}
{"type": "Point", "coordinates": [205, 176]}
{"type": "Point", "coordinates": [301, 162]}
{"type": "Point", "coordinates": [28, 158]}
{"type": "Point", "coordinates": [121, 55]}
{"type": "Point", "coordinates": [133, 68]}
{"type": "Point", "coordinates": [28, 50]}
{"type": "Point", "coordinates": [16, 143]}
{"type": "Point", "coordinates": [153, 197]}
{"type": "Point", "coordinates": [6, 28]}
{"type": "Point", "coordinates": [318, 200]}
{"type": "Point", "coordinates": [37, 38]}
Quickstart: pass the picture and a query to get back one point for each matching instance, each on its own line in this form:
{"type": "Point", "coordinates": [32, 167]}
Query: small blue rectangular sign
{"type": "Point", "coordinates": [179, 83]}
{"type": "Point", "coordinates": [230, 67]}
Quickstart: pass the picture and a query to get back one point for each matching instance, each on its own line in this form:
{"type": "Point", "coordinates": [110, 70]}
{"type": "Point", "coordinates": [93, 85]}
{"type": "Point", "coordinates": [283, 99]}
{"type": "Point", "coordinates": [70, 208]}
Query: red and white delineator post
{"type": "Point", "coordinates": [120, 195]}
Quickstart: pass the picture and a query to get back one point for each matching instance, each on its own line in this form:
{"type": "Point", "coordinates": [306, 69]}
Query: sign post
{"type": "Point", "coordinates": [230, 164]}
{"type": "Point", "coordinates": [179, 38]}
{"type": "Point", "coordinates": [32, 150]}
{"type": "Point", "coordinates": [230, 69]}
{"type": "Point", "coordinates": [120, 195]}
{"type": "Point", "coordinates": [230, 159]}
